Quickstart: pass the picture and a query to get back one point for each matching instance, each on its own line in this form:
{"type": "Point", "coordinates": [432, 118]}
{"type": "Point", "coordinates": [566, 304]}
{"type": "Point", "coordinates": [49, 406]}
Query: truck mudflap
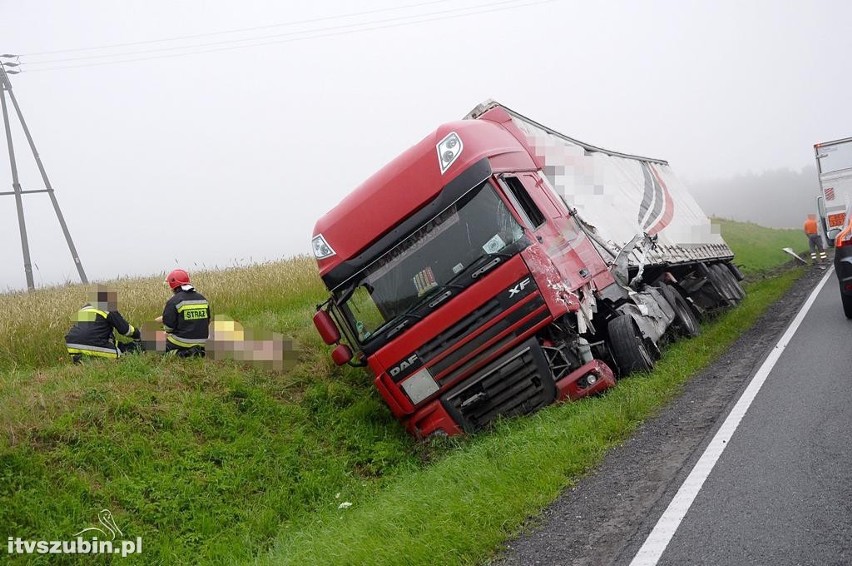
{"type": "Point", "coordinates": [518, 383]}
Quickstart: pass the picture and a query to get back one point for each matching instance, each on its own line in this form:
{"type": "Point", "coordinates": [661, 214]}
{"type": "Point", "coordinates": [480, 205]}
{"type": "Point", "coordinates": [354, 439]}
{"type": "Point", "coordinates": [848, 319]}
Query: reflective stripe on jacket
{"type": "Point", "coordinates": [186, 318]}
{"type": "Point", "coordinates": [92, 333]}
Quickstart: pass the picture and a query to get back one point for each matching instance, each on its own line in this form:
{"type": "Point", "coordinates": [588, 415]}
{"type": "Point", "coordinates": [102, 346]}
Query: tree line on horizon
{"type": "Point", "coordinates": [778, 198]}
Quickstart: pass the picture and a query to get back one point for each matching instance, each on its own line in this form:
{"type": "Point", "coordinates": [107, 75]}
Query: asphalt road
{"type": "Point", "coordinates": [781, 491]}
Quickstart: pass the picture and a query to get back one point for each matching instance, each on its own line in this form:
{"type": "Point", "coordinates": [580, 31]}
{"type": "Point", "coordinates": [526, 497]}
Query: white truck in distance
{"type": "Point", "coordinates": [834, 169]}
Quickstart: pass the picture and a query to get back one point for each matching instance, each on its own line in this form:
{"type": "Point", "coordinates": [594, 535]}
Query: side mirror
{"type": "Point", "coordinates": [341, 355]}
{"type": "Point", "coordinates": [327, 329]}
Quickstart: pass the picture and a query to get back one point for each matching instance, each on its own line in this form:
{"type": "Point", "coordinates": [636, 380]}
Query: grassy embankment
{"type": "Point", "coordinates": [758, 249]}
{"type": "Point", "coordinates": [218, 462]}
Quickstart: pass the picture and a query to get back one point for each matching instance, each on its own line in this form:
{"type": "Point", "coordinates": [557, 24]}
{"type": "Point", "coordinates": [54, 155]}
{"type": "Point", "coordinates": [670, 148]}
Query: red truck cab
{"type": "Point", "coordinates": [464, 283]}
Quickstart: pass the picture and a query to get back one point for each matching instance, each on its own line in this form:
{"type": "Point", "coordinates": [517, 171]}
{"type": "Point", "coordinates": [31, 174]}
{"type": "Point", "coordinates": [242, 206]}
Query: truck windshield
{"type": "Point", "coordinates": [438, 259]}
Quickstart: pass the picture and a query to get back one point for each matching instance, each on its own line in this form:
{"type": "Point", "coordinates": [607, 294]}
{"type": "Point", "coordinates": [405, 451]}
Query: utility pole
{"type": "Point", "coordinates": [9, 68]}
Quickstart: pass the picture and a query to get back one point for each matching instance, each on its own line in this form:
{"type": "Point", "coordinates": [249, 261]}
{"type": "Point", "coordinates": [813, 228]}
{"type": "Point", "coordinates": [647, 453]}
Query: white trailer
{"type": "Point", "coordinates": [834, 169]}
{"type": "Point", "coordinates": [623, 196]}
{"type": "Point", "coordinates": [636, 209]}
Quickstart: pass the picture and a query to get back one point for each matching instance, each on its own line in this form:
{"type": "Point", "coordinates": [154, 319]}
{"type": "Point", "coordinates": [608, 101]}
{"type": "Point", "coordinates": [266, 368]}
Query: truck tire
{"type": "Point", "coordinates": [732, 281]}
{"type": "Point", "coordinates": [709, 294]}
{"type": "Point", "coordinates": [727, 295]}
{"type": "Point", "coordinates": [737, 284]}
{"type": "Point", "coordinates": [685, 322]}
{"type": "Point", "coordinates": [735, 271]}
{"type": "Point", "coordinates": [627, 346]}
{"type": "Point", "coordinates": [721, 275]}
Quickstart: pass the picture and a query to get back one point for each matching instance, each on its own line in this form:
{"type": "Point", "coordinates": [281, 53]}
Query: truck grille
{"type": "Point", "coordinates": [461, 329]}
{"type": "Point", "coordinates": [477, 329]}
{"type": "Point", "coordinates": [518, 383]}
{"type": "Point", "coordinates": [461, 352]}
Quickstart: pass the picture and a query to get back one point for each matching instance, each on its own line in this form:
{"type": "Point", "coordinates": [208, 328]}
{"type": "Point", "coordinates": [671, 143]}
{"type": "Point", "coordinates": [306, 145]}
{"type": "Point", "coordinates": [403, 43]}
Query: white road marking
{"type": "Point", "coordinates": [671, 518]}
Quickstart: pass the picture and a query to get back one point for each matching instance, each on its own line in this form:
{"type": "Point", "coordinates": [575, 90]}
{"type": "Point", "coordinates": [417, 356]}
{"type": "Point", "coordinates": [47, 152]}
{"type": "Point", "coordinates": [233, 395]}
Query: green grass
{"type": "Point", "coordinates": [458, 510]}
{"type": "Point", "coordinates": [219, 462]}
{"type": "Point", "coordinates": [201, 464]}
{"type": "Point", "coordinates": [758, 248]}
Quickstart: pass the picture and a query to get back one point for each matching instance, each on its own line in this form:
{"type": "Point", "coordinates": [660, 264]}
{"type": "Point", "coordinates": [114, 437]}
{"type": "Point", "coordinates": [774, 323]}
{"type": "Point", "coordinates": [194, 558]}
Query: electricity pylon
{"type": "Point", "coordinates": [6, 68]}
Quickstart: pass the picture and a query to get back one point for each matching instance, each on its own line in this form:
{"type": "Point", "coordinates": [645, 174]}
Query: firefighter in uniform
{"type": "Point", "coordinates": [92, 333]}
{"type": "Point", "coordinates": [814, 239]}
{"type": "Point", "coordinates": [186, 317]}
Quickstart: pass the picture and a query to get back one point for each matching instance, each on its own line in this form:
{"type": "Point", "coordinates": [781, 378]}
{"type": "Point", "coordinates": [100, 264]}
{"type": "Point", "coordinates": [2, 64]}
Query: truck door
{"type": "Point", "coordinates": [568, 249]}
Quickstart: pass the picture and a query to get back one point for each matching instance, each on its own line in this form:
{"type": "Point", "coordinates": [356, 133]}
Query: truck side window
{"type": "Point", "coordinates": [366, 313]}
{"type": "Point", "coordinates": [521, 198]}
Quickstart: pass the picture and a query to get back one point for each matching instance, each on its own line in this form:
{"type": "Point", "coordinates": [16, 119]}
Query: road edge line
{"type": "Point", "coordinates": [668, 523]}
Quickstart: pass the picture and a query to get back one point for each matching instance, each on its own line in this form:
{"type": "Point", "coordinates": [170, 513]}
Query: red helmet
{"type": "Point", "coordinates": [177, 278]}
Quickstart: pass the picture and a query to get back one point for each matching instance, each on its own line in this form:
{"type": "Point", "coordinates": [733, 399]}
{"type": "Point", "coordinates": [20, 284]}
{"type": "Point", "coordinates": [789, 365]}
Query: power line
{"type": "Point", "coordinates": [238, 30]}
{"type": "Point", "coordinates": [311, 34]}
{"type": "Point", "coordinates": [235, 42]}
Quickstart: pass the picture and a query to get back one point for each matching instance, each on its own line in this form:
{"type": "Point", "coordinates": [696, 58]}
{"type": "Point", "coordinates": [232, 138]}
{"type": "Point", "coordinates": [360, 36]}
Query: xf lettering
{"type": "Point", "coordinates": [519, 287]}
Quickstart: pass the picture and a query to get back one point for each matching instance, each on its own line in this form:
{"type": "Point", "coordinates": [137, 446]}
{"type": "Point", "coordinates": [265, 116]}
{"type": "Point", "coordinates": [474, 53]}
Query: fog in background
{"type": "Point", "coordinates": [778, 198]}
{"type": "Point", "coordinates": [192, 144]}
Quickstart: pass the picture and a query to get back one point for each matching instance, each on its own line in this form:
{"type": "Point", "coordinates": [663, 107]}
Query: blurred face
{"type": "Point", "coordinates": [104, 298]}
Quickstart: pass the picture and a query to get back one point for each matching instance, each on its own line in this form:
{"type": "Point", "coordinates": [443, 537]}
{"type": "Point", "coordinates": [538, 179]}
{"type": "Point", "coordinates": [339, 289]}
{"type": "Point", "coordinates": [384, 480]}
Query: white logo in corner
{"type": "Point", "coordinates": [105, 519]}
{"type": "Point", "coordinates": [97, 540]}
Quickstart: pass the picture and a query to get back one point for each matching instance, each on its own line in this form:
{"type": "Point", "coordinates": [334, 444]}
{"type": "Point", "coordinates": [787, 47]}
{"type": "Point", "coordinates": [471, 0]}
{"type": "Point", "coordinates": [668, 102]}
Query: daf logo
{"type": "Point", "coordinates": [412, 359]}
{"type": "Point", "coordinates": [519, 287]}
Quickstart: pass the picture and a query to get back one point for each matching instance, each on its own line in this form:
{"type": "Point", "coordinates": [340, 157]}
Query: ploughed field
{"type": "Point", "coordinates": [218, 461]}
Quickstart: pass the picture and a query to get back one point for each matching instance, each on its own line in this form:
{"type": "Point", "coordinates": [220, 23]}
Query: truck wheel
{"type": "Point", "coordinates": [735, 271]}
{"type": "Point", "coordinates": [737, 284]}
{"type": "Point", "coordinates": [732, 281]}
{"type": "Point", "coordinates": [627, 346]}
{"type": "Point", "coordinates": [847, 305]}
{"type": "Point", "coordinates": [685, 322]}
{"type": "Point", "coordinates": [727, 297]}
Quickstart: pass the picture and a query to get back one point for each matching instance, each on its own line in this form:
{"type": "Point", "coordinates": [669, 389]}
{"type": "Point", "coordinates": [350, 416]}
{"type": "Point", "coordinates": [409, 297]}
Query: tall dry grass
{"type": "Point", "coordinates": [274, 295]}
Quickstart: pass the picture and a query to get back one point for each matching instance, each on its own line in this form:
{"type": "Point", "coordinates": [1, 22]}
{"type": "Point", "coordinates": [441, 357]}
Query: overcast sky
{"type": "Point", "coordinates": [230, 155]}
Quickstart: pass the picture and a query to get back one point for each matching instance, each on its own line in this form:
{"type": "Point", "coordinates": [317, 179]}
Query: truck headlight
{"type": "Point", "coordinates": [419, 386]}
{"type": "Point", "coordinates": [321, 248]}
{"type": "Point", "coordinates": [449, 150]}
